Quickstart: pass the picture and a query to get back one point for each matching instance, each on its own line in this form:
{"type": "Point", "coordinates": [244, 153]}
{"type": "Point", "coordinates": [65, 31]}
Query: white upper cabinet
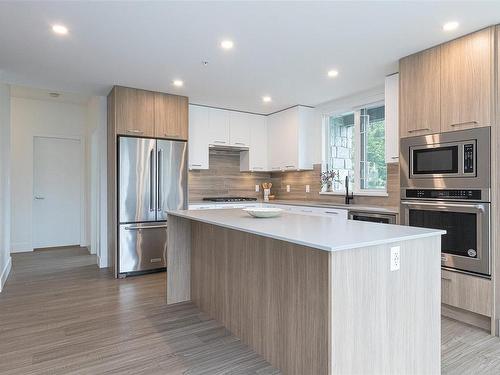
{"type": "Point", "coordinates": [218, 125]}
{"type": "Point", "coordinates": [239, 128]}
{"type": "Point", "coordinates": [198, 137]}
{"type": "Point", "coordinates": [255, 159]}
{"type": "Point", "coordinates": [392, 118]}
{"type": "Point", "coordinates": [279, 142]}
{"type": "Point", "coordinates": [288, 139]}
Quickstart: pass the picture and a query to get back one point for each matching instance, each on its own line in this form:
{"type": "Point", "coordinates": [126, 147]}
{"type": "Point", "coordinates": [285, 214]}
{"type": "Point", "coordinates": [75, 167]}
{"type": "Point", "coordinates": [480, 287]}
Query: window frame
{"type": "Point", "coordinates": [357, 152]}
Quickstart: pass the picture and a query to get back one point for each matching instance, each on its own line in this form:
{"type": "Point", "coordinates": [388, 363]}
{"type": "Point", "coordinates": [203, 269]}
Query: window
{"type": "Point", "coordinates": [355, 147]}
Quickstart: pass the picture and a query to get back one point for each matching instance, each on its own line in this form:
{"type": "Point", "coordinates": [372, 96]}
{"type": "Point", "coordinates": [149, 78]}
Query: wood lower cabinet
{"type": "Point", "coordinates": [171, 116]}
{"type": "Point", "coordinates": [419, 93]}
{"type": "Point", "coordinates": [134, 111]}
{"type": "Point", "coordinates": [467, 81]}
{"type": "Point", "coordinates": [466, 292]}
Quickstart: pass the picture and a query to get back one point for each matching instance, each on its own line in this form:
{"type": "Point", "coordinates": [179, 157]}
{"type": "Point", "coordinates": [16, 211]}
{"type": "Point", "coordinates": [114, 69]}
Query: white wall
{"type": "Point", "coordinates": [30, 118]}
{"type": "Point", "coordinates": [97, 177]}
{"type": "Point", "coordinates": [5, 129]}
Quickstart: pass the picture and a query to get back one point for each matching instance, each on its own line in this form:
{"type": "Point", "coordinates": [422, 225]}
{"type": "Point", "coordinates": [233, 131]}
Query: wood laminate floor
{"type": "Point", "coordinates": [60, 314]}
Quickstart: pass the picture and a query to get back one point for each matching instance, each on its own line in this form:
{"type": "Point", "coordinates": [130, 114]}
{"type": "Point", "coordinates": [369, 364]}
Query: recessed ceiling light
{"type": "Point", "coordinates": [60, 29]}
{"type": "Point", "coordinates": [178, 83]}
{"type": "Point", "coordinates": [227, 44]}
{"type": "Point", "coordinates": [449, 26]}
{"type": "Point", "coordinates": [333, 73]}
{"type": "Point", "coordinates": [266, 99]}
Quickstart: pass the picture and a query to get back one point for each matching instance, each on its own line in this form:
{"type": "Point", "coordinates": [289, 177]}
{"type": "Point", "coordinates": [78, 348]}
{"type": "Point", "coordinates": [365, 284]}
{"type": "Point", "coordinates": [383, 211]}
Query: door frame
{"type": "Point", "coordinates": [84, 242]}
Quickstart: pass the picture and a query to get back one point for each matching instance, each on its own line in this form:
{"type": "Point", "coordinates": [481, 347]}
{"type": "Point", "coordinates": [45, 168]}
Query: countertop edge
{"type": "Point", "coordinates": [431, 233]}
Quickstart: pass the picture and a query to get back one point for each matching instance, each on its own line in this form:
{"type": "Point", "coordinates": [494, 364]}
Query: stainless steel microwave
{"type": "Point", "coordinates": [451, 160]}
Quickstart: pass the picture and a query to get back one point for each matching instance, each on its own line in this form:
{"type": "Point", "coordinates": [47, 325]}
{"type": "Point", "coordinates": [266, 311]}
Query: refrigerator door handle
{"type": "Point", "coordinates": [159, 166]}
{"type": "Point", "coordinates": [137, 227]}
{"type": "Point", "coordinates": [151, 180]}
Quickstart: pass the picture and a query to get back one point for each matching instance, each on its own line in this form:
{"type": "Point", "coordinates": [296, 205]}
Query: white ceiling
{"type": "Point", "coordinates": [282, 49]}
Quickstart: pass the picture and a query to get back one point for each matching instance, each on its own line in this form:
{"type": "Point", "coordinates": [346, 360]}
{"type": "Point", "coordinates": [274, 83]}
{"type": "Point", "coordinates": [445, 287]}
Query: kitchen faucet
{"type": "Point", "coordinates": [348, 197]}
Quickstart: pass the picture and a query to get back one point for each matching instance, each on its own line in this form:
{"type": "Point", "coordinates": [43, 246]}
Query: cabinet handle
{"type": "Point", "coordinates": [240, 143]}
{"type": "Point", "coordinates": [257, 168]}
{"type": "Point", "coordinates": [195, 165]}
{"type": "Point", "coordinates": [135, 131]}
{"type": "Point", "coordinates": [394, 157]}
{"type": "Point", "coordinates": [276, 168]}
{"type": "Point", "coordinates": [446, 279]}
{"type": "Point", "coordinates": [464, 123]}
{"type": "Point", "coordinates": [331, 212]}
{"type": "Point", "coordinates": [223, 142]}
{"type": "Point", "coordinates": [173, 135]}
{"type": "Point", "coordinates": [418, 130]}
{"type": "Point", "coordinates": [290, 166]}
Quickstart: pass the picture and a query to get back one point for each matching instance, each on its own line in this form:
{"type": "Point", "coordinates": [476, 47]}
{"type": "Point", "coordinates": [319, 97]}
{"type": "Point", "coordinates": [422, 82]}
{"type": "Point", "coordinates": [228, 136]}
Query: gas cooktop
{"type": "Point", "coordinates": [229, 199]}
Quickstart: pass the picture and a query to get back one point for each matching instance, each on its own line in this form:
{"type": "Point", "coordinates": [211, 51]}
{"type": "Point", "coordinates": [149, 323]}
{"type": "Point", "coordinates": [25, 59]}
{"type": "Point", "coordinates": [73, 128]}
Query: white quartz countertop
{"type": "Point", "coordinates": [349, 207]}
{"type": "Point", "coordinates": [324, 233]}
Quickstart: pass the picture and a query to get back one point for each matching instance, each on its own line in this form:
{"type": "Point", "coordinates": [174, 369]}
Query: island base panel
{"type": "Point", "coordinates": [272, 294]}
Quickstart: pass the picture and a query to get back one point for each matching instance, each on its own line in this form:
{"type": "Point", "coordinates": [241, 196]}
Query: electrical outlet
{"type": "Point", "coordinates": [257, 188]}
{"type": "Point", "coordinates": [287, 188]}
{"type": "Point", "coordinates": [395, 258]}
{"type": "Point", "coordinates": [308, 189]}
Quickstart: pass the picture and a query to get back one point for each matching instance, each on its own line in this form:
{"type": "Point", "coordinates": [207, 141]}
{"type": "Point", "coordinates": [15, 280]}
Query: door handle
{"type": "Point", "coordinates": [159, 166]}
{"type": "Point", "coordinates": [464, 123]}
{"type": "Point", "coordinates": [418, 130]}
{"type": "Point", "coordinates": [151, 180]}
{"type": "Point", "coordinates": [478, 207]}
{"type": "Point", "coordinates": [136, 227]}
{"type": "Point", "coordinates": [135, 131]}
{"type": "Point", "coordinates": [38, 197]}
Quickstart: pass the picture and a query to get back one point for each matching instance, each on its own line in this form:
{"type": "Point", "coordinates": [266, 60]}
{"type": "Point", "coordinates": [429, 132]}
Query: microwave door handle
{"type": "Point", "coordinates": [478, 207]}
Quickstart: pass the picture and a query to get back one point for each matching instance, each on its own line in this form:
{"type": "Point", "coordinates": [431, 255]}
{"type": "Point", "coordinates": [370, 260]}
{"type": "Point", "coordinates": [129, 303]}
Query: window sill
{"type": "Point", "coordinates": [357, 194]}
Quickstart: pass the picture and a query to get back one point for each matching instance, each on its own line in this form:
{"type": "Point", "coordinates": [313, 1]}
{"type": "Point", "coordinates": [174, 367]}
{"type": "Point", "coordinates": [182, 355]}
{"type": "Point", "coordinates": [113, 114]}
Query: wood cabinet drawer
{"type": "Point", "coordinates": [467, 292]}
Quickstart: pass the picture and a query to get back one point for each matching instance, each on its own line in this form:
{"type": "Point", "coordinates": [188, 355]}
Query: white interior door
{"type": "Point", "coordinates": [56, 189]}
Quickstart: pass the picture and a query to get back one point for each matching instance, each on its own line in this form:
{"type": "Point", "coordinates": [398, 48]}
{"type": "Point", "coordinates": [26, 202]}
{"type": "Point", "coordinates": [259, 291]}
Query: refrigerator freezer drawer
{"type": "Point", "coordinates": [142, 247]}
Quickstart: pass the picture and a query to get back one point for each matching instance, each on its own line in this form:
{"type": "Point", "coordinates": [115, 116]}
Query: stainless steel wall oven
{"type": "Point", "coordinates": [445, 184]}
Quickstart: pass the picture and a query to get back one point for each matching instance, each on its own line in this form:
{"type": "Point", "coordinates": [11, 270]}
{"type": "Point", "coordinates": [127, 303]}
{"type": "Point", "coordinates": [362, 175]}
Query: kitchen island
{"type": "Point", "coordinates": [313, 295]}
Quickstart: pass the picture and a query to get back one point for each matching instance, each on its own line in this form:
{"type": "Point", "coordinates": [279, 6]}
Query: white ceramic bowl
{"type": "Point", "coordinates": [263, 211]}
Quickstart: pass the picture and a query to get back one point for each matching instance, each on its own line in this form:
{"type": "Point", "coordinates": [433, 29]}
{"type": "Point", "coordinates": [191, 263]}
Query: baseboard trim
{"type": "Point", "coordinates": [21, 247]}
{"type": "Point", "coordinates": [5, 273]}
{"type": "Point", "coordinates": [468, 317]}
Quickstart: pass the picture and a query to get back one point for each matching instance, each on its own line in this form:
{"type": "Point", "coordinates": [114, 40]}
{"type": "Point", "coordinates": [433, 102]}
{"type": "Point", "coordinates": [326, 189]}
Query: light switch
{"type": "Point", "coordinates": [308, 189]}
{"type": "Point", "coordinates": [287, 188]}
{"type": "Point", "coordinates": [257, 188]}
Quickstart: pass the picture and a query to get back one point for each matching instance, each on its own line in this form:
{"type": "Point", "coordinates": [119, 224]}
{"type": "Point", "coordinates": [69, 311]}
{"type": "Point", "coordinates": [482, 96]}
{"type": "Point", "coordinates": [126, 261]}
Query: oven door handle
{"type": "Point", "coordinates": [478, 207]}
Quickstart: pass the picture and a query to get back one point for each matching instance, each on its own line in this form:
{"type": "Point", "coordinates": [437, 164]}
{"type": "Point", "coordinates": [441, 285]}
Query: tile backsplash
{"type": "Point", "coordinates": [299, 180]}
{"type": "Point", "coordinates": [225, 179]}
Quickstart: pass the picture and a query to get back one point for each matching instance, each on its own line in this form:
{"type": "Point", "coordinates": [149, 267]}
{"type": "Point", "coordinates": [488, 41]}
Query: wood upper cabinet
{"type": "Point", "coordinates": [170, 116]}
{"type": "Point", "coordinates": [467, 81]}
{"type": "Point", "coordinates": [419, 86]}
{"type": "Point", "coordinates": [134, 111]}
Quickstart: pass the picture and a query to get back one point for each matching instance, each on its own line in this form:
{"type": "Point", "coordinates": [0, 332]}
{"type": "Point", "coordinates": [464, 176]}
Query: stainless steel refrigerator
{"type": "Point", "coordinates": [152, 177]}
